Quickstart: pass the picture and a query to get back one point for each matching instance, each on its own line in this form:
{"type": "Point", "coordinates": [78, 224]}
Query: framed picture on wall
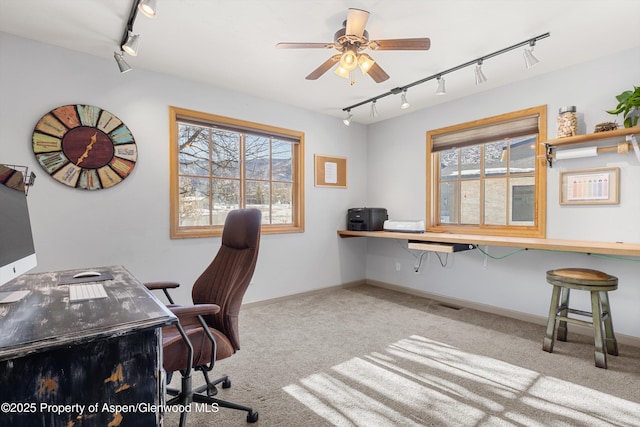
{"type": "Point", "coordinates": [330, 171]}
{"type": "Point", "coordinates": [590, 187]}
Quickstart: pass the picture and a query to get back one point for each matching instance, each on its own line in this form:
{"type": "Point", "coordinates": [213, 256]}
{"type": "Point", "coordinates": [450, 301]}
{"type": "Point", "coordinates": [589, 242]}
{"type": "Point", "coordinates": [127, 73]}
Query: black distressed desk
{"type": "Point", "coordinates": [89, 363]}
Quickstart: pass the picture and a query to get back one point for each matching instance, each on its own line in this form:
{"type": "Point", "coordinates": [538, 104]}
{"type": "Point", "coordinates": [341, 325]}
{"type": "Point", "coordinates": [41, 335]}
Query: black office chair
{"type": "Point", "coordinates": [208, 330]}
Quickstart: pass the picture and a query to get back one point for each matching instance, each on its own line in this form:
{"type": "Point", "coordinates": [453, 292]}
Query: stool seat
{"type": "Point", "coordinates": [583, 278]}
{"type": "Point", "coordinates": [598, 284]}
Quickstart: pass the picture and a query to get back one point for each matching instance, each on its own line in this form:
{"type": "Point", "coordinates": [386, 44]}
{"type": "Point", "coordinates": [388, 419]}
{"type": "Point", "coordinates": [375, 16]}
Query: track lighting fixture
{"type": "Point", "coordinates": [122, 64]}
{"type": "Point", "coordinates": [404, 104]}
{"type": "Point", "coordinates": [529, 59]}
{"type": "Point", "coordinates": [132, 44]}
{"type": "Point", "coordinates": [480, 77]}
{"type": "Point", "coordinates": [441, 90]}
{"type": "Point", "coordinates": [148, 7]}
{"type": "Point", "coordinates": [347, 121]}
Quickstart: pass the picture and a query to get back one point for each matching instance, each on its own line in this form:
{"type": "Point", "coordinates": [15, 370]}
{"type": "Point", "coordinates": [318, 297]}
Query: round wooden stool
{"type": "Point", "coordinates": [596, 282]}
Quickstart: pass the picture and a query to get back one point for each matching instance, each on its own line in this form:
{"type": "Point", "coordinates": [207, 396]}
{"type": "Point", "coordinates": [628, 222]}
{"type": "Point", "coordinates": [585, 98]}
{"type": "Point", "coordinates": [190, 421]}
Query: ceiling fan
{"type": "Point", "coordinates": [350, 41]}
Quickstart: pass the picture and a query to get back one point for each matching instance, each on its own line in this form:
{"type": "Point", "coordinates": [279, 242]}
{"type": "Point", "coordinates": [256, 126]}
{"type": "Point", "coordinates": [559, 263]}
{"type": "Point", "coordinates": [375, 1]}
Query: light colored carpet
{"type": "Point", "coordinates": [366, 356]}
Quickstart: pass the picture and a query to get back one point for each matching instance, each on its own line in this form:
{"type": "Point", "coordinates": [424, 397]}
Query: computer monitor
{"type": "Point", "coordinates": [17, 251]}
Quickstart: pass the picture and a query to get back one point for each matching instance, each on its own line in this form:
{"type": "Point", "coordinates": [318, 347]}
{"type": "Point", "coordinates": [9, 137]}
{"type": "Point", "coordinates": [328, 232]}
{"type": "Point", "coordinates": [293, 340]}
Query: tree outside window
{"type": "Point", "coordinates": [223, 164]}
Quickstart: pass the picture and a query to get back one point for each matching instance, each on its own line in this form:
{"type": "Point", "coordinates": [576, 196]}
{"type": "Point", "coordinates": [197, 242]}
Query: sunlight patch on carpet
{"type": "Point", "coordinates": [418, 381]}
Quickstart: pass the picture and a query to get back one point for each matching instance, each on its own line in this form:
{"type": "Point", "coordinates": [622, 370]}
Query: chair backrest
{"type": "Point", "coordinates": [226, 279]}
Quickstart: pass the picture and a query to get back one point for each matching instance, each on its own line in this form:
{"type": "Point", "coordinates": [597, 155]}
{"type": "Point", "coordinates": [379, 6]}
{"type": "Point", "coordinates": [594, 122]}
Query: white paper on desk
{"type": "Point", "coordinates": [331, 173]}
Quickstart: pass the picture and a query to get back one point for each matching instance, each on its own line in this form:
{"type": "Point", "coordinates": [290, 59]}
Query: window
{"type": "Point", "coordinates": [219, 164]}
{"type": "Point", "coordinates": [489, 176]}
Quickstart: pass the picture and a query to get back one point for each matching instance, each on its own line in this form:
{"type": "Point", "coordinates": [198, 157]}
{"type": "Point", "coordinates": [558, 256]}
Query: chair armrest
{"type": "Point", "coordinates": [189, 319]}
{"type": "Point", "coordinates": [191, 315]}
{"type": "Point", "coordinates": [194, 310]}
{"type": "Point", "coordinates": [161, 285]}
{"type": "Point", "coordinates": [164, 286]}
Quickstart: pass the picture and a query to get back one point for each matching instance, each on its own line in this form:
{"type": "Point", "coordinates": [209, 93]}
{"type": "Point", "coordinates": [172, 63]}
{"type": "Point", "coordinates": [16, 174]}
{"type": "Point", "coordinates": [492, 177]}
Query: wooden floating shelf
{"type": "Point", "coordinates": [588, 137]}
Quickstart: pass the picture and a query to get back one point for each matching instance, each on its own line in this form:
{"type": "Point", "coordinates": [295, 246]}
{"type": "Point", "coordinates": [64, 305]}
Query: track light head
{"type": "Point", "coordinates": [529, 59]}
{"type": "Point", "coordinates": [347, 120]}
{"type": "Point", "coordinates": [404, 104]}
{"type": "Point", "coordinates": [480, 77]}
{"type": "Point", "coordinates": [122, 64]}
{"type": "Point", "coordinates": [132, 44]}
{"type": "Point", "coordinates": [441, 90]}
{"type": "Point", "coordinates": [148, 8]}
{"type": "Point", "coordinates": [374, 110]}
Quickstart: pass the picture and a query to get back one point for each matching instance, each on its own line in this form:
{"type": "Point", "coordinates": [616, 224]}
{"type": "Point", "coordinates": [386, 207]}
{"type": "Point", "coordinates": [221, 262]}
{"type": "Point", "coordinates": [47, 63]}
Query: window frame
{"type": "Point", "coordinates": [176, 231]}
{"type": "Point", "coordinates": [538, 229]}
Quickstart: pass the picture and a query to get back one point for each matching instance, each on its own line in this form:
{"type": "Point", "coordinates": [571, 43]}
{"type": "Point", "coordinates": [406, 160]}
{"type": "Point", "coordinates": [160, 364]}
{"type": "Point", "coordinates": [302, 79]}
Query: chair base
{"type": "Point", "coordinates": [187, 394]}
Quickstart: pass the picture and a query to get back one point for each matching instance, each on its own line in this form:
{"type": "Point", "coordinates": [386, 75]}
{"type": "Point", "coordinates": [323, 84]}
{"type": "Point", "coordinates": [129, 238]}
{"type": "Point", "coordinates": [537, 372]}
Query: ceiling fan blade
{"type": "Point", "coordinates": [377, 73]}
{"type": "Point", "coordinates": [356, 22]}
{"type": "Point", "coordinates": [304, 45]}
{"type": "Point", "coordinates": [326, 66]}
{"type": "Point", "coordinates": [401, 44]}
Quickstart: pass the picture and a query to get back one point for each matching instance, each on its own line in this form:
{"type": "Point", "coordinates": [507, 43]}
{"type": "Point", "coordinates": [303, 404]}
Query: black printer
{"type": "Point", "coordinates": [366, 219]}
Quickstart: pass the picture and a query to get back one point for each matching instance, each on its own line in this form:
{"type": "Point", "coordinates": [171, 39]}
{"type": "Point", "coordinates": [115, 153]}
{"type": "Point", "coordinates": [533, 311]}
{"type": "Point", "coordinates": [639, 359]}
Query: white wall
{"type": "Point", "coordinates": [396, 180]}
{"type": "Point", "coordinates": [129, 223]}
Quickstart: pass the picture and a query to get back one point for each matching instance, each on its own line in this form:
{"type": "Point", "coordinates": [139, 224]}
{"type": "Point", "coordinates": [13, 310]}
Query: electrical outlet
{"type": "Point", "coordinates": [398, 266]}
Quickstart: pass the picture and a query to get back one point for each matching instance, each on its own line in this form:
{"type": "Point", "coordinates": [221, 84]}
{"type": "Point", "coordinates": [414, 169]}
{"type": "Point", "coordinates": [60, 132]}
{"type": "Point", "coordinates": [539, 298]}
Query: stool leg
{"type": "Point", "coordinates": [610, 337]}
{"type": "Point", "coordinates": [547, 344]}
{"type": "Point", "coordinates": [563, 311]}
{"type": "Point", "coordinates": [600, 354]}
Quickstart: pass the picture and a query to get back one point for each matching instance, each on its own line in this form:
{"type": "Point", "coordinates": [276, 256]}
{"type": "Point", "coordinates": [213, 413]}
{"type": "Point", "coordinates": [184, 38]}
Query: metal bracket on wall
{"type": "Point", "coordinates": [549, 154]}
{"type": "Point", "coordinates": [634, 143]}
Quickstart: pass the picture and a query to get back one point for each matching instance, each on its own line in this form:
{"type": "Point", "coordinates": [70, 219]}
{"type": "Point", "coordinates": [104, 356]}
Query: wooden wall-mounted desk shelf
{"type": "Point", "coordinates": [561, 245]}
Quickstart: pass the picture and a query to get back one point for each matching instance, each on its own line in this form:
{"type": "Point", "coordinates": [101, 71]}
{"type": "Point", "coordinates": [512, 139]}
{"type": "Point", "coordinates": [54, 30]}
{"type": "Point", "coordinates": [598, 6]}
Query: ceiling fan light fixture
{"type": "Point", "coordinates": [122, 64]}
{"type": "Point", "coordinates": [441, 90]}
{"type": "Point", "coordinates": [148, 8]}
{"type": "Point", "coordinates": [132, 44]}
{"type": "Point", "coordinates": [349, 58]}
{"type": "Point", "coordinates": [342, 72]}
{"type": "Point", "coordinates": [365, 62]}
{"type": "Point", "coordinates": [480, 77]}
{"type": "Point", "coordinates": [347, 120]}
{"type": "Point", "coordinates": [404, 104]}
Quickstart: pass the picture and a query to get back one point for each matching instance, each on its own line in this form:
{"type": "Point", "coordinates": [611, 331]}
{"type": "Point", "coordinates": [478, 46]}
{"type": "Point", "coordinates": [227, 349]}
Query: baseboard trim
{"type": "Point", "coordinates": [512, 314]}
{"type": "Point", "coordinates": [303, 294]}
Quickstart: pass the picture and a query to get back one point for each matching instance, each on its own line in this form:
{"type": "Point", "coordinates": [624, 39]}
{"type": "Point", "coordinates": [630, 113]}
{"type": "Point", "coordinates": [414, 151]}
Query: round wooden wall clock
{"type": "Point", "coordinates": [84, 146]}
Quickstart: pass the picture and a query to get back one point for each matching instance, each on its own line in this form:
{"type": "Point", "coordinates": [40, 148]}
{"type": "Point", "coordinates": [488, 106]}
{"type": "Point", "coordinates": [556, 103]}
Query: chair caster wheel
{"type": "Point", "coordinates": [226, 383]}
{"type": "Point", "coordinates": [252, 416]}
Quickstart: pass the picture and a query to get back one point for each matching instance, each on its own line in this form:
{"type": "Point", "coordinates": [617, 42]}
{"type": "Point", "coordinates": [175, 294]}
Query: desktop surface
{"type": "Point", "coordinates": [46, 318]}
